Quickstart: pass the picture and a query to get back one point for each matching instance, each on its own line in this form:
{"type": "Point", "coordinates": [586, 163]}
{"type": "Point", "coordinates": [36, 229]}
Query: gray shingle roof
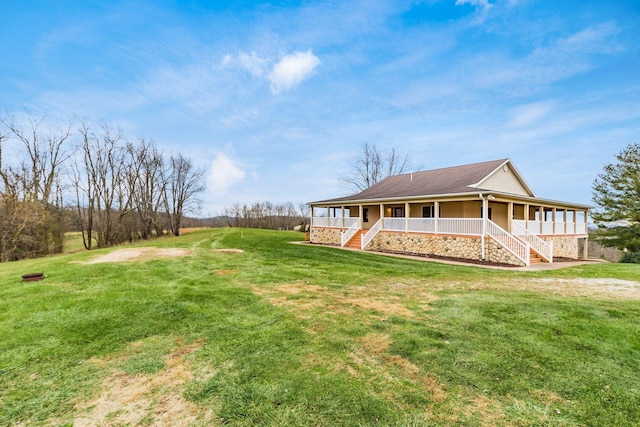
{"type": "Point", "coordinates": [451, 180]}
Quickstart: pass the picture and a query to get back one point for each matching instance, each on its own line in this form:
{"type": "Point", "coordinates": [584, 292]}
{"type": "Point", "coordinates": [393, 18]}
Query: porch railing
{"type": "Point", "coordinates": [551, 227]}
{"type": "Point", "coordinates": [335, 222]}
{"type": "Point", "coordinates": [519, 249]}
{"type": "Point", "coordinates": [347, 235]}
{"type": "Point", "coordinates": [464, 226]}
{"type": "Point", "coordinates": [467, 226]}
{"type": "Point", "coordinates": [394, 224]}
{"type": "Point", "coordinates": [545, 249]}
{"type": "Point", "coordinates": [422, 225]}
{"type": "Point", "coordinates": [369, 235]}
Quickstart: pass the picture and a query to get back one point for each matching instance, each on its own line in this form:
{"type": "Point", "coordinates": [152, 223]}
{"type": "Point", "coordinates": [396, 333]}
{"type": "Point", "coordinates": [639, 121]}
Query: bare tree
{"type": "Point", "coordinates": [31, 214]}
{"type": "Point", "coordinates": [372, 166]}
{"type": "Point", "coordinates": [183, 185]}
{"type": "Point", "coordinates": [148, 185]}
{"type": "Point", "coordinates": [100, 182]}
{"type": "Point", "coordinates": [46, 152]}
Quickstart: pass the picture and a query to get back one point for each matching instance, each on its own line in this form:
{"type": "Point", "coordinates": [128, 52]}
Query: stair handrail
{"type": "Point", "coordinates": [519, 249]}
{"type": "Point", "coordinates": [369, 235]}
{"type": "Point", "coordinates": [543, 248]}
{"type": "Point", "coordinates": [348, 234]}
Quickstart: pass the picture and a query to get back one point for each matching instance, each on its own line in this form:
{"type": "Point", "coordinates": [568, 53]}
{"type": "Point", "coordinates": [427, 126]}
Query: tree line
{"type": "Point", "coordinates": [92, 178]}
{"type": "Point", "coordinates": [275, 216]}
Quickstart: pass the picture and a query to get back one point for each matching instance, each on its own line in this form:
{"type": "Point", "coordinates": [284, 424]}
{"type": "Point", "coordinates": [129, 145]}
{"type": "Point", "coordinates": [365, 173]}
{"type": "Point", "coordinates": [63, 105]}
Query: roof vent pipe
{"type": "Point", "coordinates": [411, 177]}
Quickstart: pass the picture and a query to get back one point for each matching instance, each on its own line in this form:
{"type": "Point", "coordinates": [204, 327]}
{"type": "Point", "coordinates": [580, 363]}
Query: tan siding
{"type": "Point", "coordinates": [500, 214]}
{"type": "Point", "coordinates": [472, 209]}
{"type": "Point", "coordinates": [452, 210]}
{"type": "Point", "coordinates": [374, 215]}
{"type": "Point", "coordinates": [506, 182]}
{"type": "Point", "coordinates": [518, 211]}
{"type": "Point", "coordinates": [416, 211]}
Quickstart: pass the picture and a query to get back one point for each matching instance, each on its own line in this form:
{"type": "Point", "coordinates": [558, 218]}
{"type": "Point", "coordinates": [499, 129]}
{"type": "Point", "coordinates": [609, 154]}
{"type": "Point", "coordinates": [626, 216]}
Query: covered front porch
{"type": "Point", "coordinates": [455, 217]}
{"type": "Point", "coordinates": [523, 229]}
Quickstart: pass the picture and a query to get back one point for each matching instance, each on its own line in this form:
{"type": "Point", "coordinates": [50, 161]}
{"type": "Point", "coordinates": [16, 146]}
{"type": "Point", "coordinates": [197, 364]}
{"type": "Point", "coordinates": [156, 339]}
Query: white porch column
{"type": "Point", "coordinates": [553, 217]}
{"type": "Point", "coordinates": [342, 207]}
{"type": "Point", "coordinates": [510, 218]}
{"type": "Point", "coordinates": [485, 214]}
{"type": "Point", "coordinates": [360, 217]}
{"type": "Point", "coordinates": [382, 215]}
{"type": "Point", "coordinates": [541, 216]}
{"type": "Point", "coordinates": [436, 216]}
{"type": "Point", "coordinates": [311, 218]}
{"type": "Point", "coordinates": [406, 216]}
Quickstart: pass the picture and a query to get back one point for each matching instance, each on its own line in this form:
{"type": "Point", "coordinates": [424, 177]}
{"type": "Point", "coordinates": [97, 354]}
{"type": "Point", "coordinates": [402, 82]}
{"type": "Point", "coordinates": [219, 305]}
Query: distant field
{"type": "Point", "coordinates": [242, 328]}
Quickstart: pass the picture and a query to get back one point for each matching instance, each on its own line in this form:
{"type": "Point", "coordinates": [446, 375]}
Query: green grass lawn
{"type": "Point", "coordinates": [288, 335]}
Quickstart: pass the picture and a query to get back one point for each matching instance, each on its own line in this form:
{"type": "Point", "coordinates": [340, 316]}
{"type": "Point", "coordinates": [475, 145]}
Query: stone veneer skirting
{"type": "Point", "coordinates": [326, 236]}
{"type": "Point", "coordinates": [563, 246]}
{"type": "Point", "coordinates": [466, 247]}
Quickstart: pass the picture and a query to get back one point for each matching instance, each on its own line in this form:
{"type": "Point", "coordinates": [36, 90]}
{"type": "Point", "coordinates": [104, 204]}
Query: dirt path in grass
{"type": "Point", "coordinates": [149, 253]}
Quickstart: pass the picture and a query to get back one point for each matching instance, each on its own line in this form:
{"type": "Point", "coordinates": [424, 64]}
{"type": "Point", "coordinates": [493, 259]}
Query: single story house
{"type": "Point", "coordinates": [481, 211]}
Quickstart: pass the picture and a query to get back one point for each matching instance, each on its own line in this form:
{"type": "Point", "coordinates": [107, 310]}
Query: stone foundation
{"type": "Point", "coordinates": [427, 244]}
{"type": "Point", "coordinates": [464, 247]}
{"type": "Point", "coordinates": [326, 236]}
{"type": "Point", "coordinates": [563, 246]}
{"type": "Point", "coordinates": [495, 252]}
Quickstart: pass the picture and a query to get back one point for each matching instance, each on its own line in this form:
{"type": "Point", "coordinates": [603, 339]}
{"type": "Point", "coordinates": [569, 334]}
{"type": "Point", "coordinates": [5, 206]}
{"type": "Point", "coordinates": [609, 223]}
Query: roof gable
{"type": "Point", "coordinates": [505, 179]}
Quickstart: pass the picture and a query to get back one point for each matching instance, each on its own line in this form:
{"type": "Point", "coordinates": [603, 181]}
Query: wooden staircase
{"type": "Point", "coordinates": [535, 258]}
{"type": "Point", "coordinates": [356, 241]}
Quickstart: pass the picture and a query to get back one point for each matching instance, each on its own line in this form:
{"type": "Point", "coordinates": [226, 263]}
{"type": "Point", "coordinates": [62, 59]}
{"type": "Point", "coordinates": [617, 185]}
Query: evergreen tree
{"type": "Point", "coordinates": [616, 193]}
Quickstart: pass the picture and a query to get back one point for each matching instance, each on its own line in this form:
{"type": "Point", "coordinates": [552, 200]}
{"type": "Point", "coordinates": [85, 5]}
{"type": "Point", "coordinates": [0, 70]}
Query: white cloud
{"type": "Point", "coordinates": [250, 62]}
{"type": "Point", "coordinates": [292, 70]}
{"type": "Point", "coordinates": [224, 173]}
{"type": "Point", "coordinates": [526, 115]}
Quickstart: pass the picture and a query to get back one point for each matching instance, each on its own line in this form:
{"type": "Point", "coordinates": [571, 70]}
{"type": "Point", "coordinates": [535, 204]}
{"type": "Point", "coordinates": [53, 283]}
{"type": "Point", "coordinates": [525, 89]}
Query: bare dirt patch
{"type": "Point", "coordinates": [385, 300]}
{"type": "Point", "coordinates": [140, 254]}
{"type": "Point", "coordinates": [153, 400]}
{"type": "Point", "coordinates": [224, 272]}
{"type": "Point", "coordinates": [229, 251]}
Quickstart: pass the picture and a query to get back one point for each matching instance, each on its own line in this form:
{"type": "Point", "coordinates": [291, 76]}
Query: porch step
{"type": "Point", "coordinates": [535, 258]}
{"type": "Point", "coordinates": [356, 241]}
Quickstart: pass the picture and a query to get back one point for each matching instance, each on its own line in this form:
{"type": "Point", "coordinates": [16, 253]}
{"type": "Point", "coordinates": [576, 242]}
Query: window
{"type": "Point", "coordinates": [365, 214]}
{"type": "Point", "coordinates": [427, 212]}
{"type": "Point", "coordinates": [482, 212]}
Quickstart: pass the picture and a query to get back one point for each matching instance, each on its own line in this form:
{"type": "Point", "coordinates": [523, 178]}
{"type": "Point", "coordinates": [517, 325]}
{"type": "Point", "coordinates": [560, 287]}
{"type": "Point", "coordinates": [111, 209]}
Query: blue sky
{"type": "Point", "coordinates": [273, 99]}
